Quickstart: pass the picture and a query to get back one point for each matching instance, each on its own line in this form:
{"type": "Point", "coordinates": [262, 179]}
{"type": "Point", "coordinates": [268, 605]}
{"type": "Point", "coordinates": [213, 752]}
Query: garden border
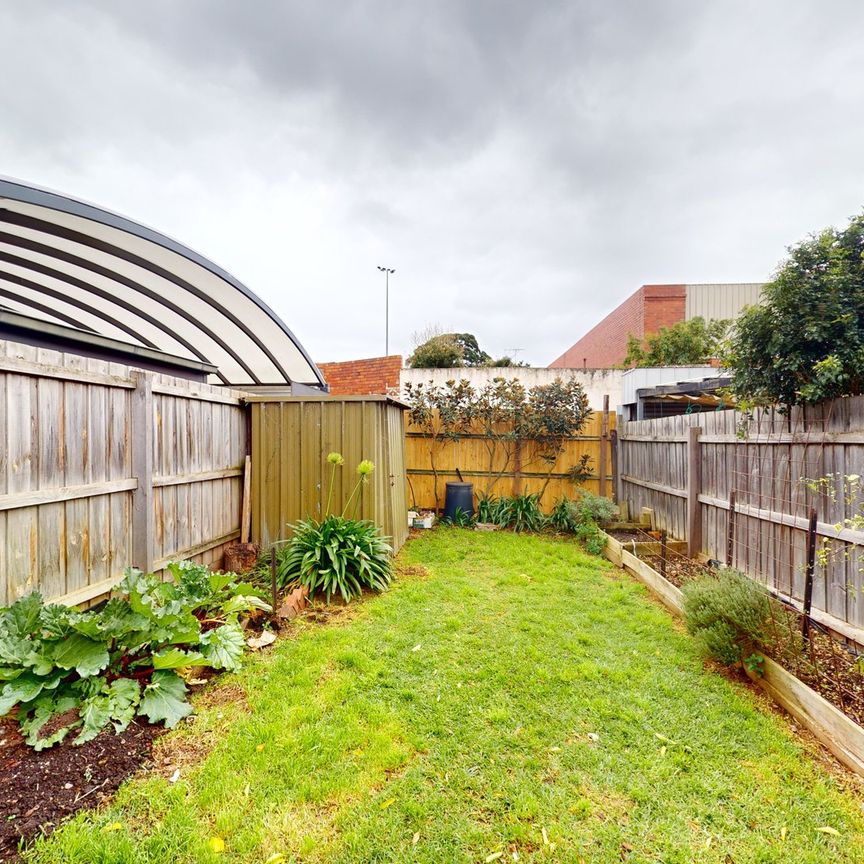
{"type": "Point", "coordinates": [841, 735]}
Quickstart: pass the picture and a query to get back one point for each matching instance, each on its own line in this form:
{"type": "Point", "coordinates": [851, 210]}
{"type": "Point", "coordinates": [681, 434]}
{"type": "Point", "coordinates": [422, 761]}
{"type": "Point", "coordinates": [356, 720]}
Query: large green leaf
{"type": "Point", "coordinates": [22, 617]}
{"type": "Point", "coordinates": [47, 707]}
{"type": "Point", "coordinates": [94, 714]}
{"type": "Point", "coordinates": [174, 658]}
{"type": "Point", "coordinates": [124, 695]}
{"type": "Point", "coordinates": [86, 656]}
{"type": "Point", "coordinates": [165, 699]}
{"type": "Point", "coordinates": [25, 688]}
{"type": "Point", "coordinates": [223, 647]}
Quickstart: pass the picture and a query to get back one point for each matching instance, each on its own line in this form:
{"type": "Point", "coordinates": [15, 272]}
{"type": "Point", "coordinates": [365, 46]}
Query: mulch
{"type": "Point", "coordinates": [38, 790]}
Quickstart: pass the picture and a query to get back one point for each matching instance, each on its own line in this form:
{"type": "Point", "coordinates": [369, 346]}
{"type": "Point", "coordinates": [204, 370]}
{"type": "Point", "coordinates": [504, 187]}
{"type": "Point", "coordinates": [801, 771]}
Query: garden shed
{"type": "Point", "coordinates": [291, 437]}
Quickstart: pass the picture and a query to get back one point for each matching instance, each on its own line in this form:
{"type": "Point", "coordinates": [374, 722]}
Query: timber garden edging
{"type": "Point", "coordinates": [841, 735]}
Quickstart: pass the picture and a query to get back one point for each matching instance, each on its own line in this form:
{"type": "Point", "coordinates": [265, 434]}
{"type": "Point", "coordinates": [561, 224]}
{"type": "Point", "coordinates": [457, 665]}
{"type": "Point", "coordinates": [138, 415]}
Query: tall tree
{"type": "Point", "coordinates": [805, 342]}
{"type": "Point", "coordinates": [449, 350]}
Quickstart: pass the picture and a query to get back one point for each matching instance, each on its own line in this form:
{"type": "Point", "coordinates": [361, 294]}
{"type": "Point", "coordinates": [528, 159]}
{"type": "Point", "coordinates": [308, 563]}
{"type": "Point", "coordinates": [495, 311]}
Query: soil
{"type": "Point", "coordinates": [38, 790]}
{"type": "Point", "coordinates": [625, 536]}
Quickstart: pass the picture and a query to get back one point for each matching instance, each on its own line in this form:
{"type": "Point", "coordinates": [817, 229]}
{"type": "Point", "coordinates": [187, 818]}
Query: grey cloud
{"type": "Point", "coordinates": [525, 166]}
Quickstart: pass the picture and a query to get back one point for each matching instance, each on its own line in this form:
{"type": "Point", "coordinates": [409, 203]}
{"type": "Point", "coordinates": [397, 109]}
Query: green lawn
{"type": "Point", "coordinates": [522, 700]}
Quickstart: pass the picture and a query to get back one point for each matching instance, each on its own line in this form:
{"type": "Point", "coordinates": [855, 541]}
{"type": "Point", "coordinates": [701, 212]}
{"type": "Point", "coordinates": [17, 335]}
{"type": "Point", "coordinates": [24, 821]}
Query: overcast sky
{"type": "Point", "coordinates": [524, 166]}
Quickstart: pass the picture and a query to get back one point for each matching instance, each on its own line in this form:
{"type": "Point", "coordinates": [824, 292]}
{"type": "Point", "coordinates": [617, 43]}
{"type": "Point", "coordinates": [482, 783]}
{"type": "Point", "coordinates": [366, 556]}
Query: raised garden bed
{"type": "Point", "coordinates": [834, 728]}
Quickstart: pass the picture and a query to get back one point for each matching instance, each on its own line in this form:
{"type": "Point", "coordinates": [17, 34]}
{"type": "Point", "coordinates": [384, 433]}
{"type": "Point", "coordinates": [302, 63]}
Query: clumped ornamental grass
{"type": "Point", "coordinates": [520, 697]}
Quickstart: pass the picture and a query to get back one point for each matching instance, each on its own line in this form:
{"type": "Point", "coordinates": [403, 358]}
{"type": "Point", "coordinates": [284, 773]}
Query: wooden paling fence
{"type": "Point", "coordinates": [103, 466]}
{"type": "Point", "coordinates": [498, 476]}
{"type": "Point", "coordinates": [749, 492]}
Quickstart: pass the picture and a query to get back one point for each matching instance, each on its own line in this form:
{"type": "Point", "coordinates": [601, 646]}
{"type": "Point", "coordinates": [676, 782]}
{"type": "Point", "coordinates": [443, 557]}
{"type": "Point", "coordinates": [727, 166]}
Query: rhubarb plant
{"type": "Point", "coordinates": [65, 670]}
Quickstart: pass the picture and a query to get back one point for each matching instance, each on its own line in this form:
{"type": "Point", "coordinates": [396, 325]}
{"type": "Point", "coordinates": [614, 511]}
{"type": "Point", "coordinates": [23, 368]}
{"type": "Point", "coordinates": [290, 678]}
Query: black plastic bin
{"type": "Point", "coordinates": [460, 496]}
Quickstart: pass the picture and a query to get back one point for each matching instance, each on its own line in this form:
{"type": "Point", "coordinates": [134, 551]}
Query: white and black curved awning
{"type": "Point", "coordinates": [76, 265]}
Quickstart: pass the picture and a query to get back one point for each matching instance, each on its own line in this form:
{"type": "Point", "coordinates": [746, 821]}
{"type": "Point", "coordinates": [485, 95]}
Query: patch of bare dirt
{"type": "Point", "coordinates": [39, 789]}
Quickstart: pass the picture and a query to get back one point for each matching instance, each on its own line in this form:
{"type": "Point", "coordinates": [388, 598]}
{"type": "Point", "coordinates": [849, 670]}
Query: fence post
{"type": "Point", "coordinates": [730, 531]}
{"type": "Point", "coordinates": [141, 442]}
{"type": "Point", "coordinates": [808, 576]}
{"type": "Point", "coordinates": [604, 437]}
{"type": "Point", "coordinates": [694, 484]}
{"type": "Point", "coordinates": [616, 473]}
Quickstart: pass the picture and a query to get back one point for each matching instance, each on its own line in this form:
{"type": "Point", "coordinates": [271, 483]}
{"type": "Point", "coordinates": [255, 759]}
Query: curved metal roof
{"type": "Point", "coordinates": [67, 262]}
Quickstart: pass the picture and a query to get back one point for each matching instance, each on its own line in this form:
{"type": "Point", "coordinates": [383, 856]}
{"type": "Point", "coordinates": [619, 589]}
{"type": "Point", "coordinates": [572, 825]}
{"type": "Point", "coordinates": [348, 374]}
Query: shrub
{"type": "Point", "coordinates": [593, 508]}
{"type": "Point", "coordinates": [460, 519]}
{"type": "Point", "coordinates": [488, 509]}
{"type": "Point", "coordinates": [562, 518]}
{"type": "Point", "coordinates": [339, 554]}
{"type": "Point", "coordinates": [727, 614]}
{"type": "Point", "coordinates": [589, 535]}
{"type": "Point", "coordinates": [68, 670]}
{"type": "Point", "coordinates": [336, 556]}
{"type": "Point", "coordinates": [520, 513]}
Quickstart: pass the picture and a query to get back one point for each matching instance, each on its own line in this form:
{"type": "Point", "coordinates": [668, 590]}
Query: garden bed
{"type": "Point", "coordinates": [39, 789]}
{"type": "Point", "coordinates": [821, 686]}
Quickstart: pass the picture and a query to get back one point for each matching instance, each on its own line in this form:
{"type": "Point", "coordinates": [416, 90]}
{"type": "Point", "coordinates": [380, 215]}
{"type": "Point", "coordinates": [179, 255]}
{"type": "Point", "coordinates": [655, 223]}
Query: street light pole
{"type": "Point", "coordinates": [386, 271]}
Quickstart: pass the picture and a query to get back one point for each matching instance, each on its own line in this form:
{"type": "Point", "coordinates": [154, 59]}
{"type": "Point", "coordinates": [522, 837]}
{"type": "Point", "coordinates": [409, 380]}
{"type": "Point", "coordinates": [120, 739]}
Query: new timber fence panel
{"type": "Point", "coordinates": [494, 474]}
{"type": "Point", "coordinates": [291, 437]}
{"type": "Point", "coordinates": [103, 466]}
{"type": "Point", "coordinates": [764, 466]}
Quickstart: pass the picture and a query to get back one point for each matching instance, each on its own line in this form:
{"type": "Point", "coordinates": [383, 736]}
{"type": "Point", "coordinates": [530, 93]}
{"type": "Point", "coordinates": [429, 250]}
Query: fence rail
{"type": "Point", "coordinates": [492, 474]}
{"type": "Point", "coordinates": [103, 466]}
{"type": "Point", "coordinates": [742, 490]}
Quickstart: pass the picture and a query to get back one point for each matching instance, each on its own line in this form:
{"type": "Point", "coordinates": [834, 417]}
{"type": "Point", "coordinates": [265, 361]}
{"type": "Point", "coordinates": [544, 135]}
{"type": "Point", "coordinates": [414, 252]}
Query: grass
{"type": "Point", "coordinates": [520, 698]}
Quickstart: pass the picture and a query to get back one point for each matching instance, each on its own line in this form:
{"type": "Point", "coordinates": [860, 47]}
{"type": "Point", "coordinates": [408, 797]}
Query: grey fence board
{"type": "Point", "coordinates": [99, 470]}
{"type": "Point", "coordinates": [765, 461]}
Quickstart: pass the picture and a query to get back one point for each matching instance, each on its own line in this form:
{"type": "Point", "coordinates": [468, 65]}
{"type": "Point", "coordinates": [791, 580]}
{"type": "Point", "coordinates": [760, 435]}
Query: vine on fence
{"type": "Point", "coordinates": [529, 426]}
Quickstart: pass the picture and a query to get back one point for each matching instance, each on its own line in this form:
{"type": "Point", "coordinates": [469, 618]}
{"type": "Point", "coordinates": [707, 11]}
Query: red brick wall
{"type": "Point", "coordinates": [643, 312]}
{"type": "Point", "coordinates": [374, 377]}
{"type": "Point", "coordinates": [665, 305]}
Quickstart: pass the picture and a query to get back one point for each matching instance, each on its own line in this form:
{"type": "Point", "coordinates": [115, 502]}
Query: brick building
{"type": "Point", "coordinates": [646, 311]}
{"type": "Point", "coordinates": [376, 376]}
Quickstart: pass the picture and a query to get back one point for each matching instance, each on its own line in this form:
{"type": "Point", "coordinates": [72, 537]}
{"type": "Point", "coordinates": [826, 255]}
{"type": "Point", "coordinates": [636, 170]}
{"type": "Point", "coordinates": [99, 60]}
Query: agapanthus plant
{"type": "Point", "coordinates": [337, 554]}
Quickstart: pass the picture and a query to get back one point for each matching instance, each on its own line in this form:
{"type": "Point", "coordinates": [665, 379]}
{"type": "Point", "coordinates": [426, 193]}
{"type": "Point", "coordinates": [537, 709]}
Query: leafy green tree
{"type": "Point", "coordinates": [452, 350]}
{"type": "Point", "coordinates": [683, 344]}
{"type": "Point", "coordinates": [439, 352]}
{"type": "Point", "coordinates": [472, 354]}
{"type": "Point", "coordinates": [805, 342]}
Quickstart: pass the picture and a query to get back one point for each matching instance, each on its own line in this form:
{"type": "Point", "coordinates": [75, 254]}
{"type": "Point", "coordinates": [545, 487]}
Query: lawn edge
{"type": "Point", "coordinates": [837, 732]}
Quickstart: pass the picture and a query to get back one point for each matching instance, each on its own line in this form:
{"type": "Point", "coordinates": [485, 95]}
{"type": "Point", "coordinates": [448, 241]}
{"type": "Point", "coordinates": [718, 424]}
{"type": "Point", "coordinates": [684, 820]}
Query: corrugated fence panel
{"type": "Point", "coordinates": [291, 438]}
{"type": "Point", "coordinates": [67, 481]}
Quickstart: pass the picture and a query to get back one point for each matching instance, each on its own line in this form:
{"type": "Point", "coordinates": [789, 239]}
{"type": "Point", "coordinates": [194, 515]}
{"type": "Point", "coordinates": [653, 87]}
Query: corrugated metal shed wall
{"type": "Point", "coordinates": [291, 438]}
{"type": "Point", "coordinates": [721, 300]}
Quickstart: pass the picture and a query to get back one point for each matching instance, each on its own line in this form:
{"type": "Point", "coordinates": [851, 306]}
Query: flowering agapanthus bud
{"type": "Point", "coordinates": [365, 467]}
{"type": "Point", "coordinates": [335, 458]}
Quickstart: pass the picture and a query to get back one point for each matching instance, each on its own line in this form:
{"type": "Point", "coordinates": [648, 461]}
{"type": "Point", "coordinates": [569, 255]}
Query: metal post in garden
{"type": "Point", "coordinates": [664, 552]}
{"type": "Point", "coordinates": [273, 593]}
{"type": "Point", "coordinates": [808, 576]}
{"type": "Point", "coordinates": [730, 531]}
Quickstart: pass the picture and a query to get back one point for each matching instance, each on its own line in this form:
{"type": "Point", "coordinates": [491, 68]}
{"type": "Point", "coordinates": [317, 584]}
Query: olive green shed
{"type": "Point", "coordinates": [291, 438]}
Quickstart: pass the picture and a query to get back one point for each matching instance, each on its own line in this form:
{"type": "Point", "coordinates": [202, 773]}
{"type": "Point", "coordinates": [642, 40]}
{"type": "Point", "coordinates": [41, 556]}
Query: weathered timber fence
{"type": "Point", "coordinates": [470, 455]}
{"type": "Point", "coordinates": [103, 466]}
{"type": "Point", "coordinates": [737, 491]}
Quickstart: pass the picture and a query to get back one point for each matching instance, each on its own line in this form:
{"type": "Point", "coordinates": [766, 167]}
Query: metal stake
{"type": "Point", "coordinates": [808, 578]}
